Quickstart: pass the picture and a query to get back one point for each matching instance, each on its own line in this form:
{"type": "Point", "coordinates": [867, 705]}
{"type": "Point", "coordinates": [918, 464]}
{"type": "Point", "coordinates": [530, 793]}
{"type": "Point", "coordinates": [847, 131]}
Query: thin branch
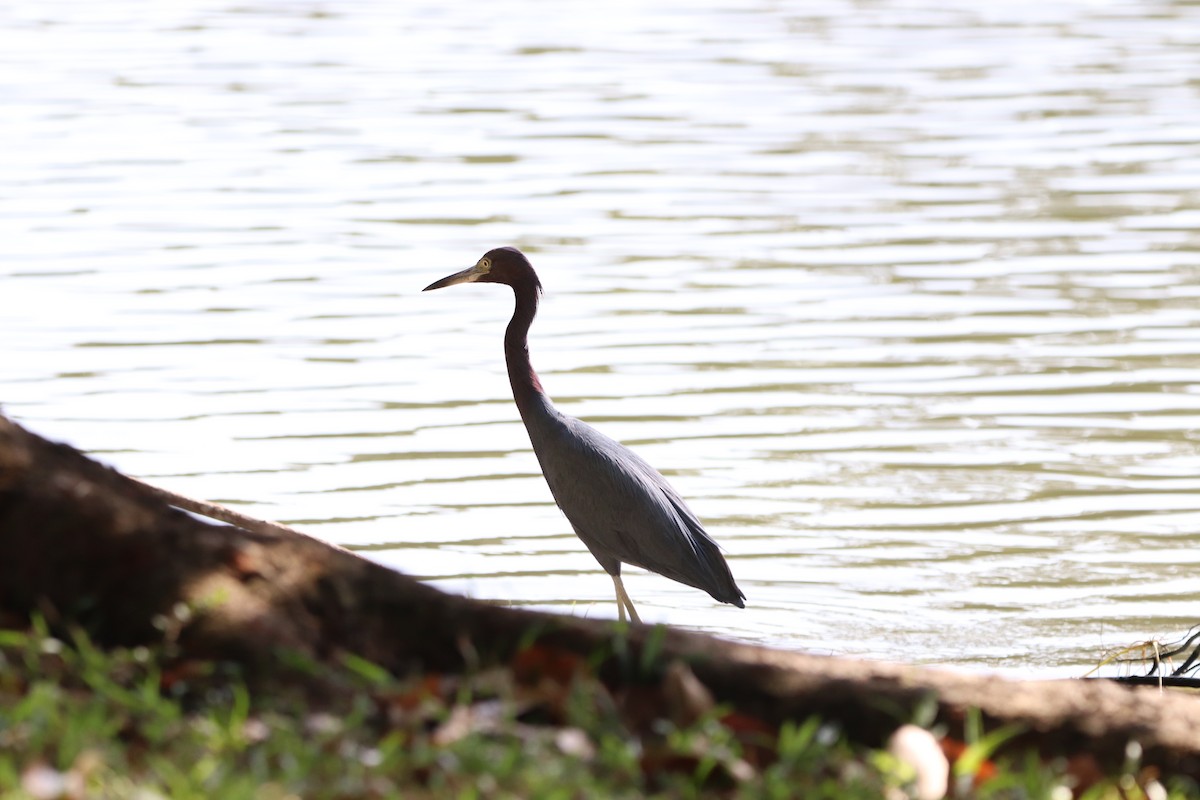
{"type": "Point", "coordinates": [1154, 680]}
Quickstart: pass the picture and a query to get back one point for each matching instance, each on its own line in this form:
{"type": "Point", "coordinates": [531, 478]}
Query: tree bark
{"type": "Point", "coordinates": [94, 548]}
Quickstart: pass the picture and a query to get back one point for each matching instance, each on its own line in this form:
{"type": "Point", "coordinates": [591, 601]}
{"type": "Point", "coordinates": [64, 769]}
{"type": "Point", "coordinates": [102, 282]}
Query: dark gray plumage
{"type": "Point", "coordinates": [619, 506]}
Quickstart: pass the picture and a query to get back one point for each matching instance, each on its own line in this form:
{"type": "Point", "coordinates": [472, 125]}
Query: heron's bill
{"type": "Point", "coordinates": [468, 275]}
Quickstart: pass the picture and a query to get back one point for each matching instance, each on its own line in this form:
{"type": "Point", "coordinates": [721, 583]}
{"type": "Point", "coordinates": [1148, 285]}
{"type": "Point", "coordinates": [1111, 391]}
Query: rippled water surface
{"type": "Point", "coordinates": [904, 296]}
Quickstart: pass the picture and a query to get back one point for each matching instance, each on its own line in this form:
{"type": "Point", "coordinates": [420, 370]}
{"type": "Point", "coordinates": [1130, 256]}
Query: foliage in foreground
{"type": "Point", "coordinates": [76, 721]}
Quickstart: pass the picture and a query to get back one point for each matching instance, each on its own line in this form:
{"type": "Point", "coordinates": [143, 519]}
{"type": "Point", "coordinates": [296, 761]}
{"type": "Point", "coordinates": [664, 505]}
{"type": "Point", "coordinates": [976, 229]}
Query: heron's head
{"type": "Point", "coordinates": [506, 265]}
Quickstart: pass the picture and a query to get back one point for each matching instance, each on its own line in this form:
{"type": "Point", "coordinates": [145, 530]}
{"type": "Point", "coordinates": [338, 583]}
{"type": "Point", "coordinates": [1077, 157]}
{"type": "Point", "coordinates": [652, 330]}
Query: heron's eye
{"type": "Point", "coordinates": [485, 263]}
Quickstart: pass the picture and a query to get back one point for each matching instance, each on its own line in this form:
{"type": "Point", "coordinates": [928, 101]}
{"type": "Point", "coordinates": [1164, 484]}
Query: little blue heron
{"type": "Point", "coordinates": [620, 506]}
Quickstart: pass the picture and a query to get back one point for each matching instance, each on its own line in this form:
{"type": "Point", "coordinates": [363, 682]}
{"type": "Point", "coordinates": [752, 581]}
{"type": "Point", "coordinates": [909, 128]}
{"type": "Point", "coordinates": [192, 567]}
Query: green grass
{"type": "Point", "coordinates": [78, 721]}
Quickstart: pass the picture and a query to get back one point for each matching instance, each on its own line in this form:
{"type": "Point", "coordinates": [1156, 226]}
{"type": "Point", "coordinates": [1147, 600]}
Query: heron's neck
{"type": "Point", "coordinates": [527, 389]}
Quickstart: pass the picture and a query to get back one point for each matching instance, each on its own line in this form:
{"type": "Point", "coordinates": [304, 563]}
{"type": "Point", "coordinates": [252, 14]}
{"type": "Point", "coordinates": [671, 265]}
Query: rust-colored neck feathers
{"type": "Point", "coordinates": [525, 384]}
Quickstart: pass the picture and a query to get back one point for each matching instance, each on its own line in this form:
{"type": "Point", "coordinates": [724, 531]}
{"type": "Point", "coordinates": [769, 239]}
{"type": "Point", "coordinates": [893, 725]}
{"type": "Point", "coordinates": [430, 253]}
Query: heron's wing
{"type": "Point", "coordinates": [624, 510]}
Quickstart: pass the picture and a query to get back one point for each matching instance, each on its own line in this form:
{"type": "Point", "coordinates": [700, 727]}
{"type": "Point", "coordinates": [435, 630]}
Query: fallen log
{"type": "Point", "coordinates": [92, 547]}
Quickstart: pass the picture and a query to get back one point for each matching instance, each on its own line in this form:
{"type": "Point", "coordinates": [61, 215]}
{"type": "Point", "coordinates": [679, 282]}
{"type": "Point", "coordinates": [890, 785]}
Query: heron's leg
{"type": "Point", "coordinates": [620, 604]}
{"type": "Point", "coordinates": [623, 600]}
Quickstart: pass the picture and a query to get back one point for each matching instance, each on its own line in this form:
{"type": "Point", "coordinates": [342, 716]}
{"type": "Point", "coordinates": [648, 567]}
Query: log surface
{"type": "Point", "coordinates": [84, 543]}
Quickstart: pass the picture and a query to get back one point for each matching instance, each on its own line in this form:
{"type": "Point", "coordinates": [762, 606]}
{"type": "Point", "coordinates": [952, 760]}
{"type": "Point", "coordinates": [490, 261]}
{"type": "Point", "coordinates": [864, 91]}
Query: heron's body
{"type": "Point", "coordinates": [624, 510]}
{"type": "Point", "coordinates": [619, 506]}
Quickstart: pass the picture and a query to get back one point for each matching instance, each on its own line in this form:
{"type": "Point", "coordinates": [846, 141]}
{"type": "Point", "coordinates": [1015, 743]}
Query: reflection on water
{"type": "Point", "coordinates": [904, 299]}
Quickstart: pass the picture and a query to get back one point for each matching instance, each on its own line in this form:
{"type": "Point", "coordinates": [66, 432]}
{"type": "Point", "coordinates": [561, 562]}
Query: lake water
{"type": "Point", "coordinates": [903, 296]}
